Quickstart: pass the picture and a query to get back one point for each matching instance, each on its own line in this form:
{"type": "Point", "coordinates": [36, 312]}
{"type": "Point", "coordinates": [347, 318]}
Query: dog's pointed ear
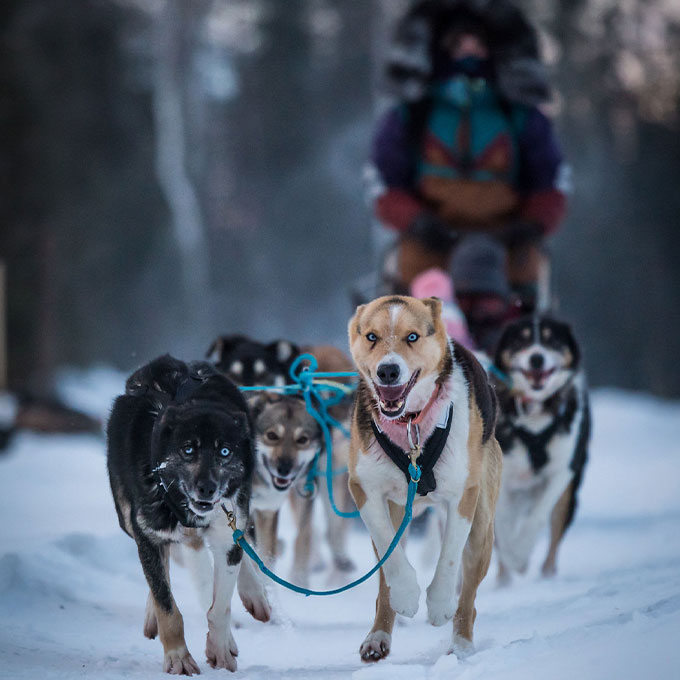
{"type": "Point", "coordinates": [575, 350]}
{"type": "Point", "coordinates": [499, 356]}
{"type": "Point", "coordinates": [435, 305]}
{"type": "Point", "coordinates": [255, 402]}
{"type": "Point", "coordinates": [569, 338]}
{"type": "Point", "coordinates": [354, 326]}
{"type": "Point", "coordinates": [215, 350]}
{"type": "Point", "coordinates": [168, 415]}
{"type": "Point", "coordinates": [222, 346]}
{"type": "Point", "coordinates": [243, 423]}
{"type": "Point", "coordinates": [282, 350]}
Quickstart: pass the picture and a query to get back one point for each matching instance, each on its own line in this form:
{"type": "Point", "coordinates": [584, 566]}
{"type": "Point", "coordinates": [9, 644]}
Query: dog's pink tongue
{"type": "Point", "coordinates": [538, 375]}
{"type": "Point", "coordinates": [390, 392]}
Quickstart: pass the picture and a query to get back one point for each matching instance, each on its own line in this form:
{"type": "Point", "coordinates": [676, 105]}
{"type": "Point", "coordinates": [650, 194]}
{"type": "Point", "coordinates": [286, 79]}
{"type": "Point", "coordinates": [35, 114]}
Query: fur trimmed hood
{"type": "Point", "coordinates": [519, 74]}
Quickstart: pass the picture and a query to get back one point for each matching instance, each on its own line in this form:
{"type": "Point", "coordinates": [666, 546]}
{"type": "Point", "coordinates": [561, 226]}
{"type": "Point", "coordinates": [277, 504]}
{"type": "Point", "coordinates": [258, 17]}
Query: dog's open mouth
{"type": "Point", "coordinates": [392, 398]}
{"type": "Point", "coordinates": [281, 483]}
{"type": "Point", "coordinates": [537, 377]}
{"type": "Point", "coordinates": [201, 507]}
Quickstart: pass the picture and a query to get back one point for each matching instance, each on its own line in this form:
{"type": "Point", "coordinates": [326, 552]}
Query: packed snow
{"type": "Point", "coordinates": [72, 593]}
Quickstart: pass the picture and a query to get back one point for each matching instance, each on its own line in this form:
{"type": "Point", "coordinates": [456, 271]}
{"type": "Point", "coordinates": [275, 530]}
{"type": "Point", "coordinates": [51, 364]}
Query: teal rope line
{"type": "Point", "coordinates": [314, 472]}
{"type": "Point", "coordinates": [338, 374]}
{"type": "Point", "coordinates": [240, 539]}
{"type": "Point", "coordinates": [490, 367]}
{"type": "Point", "coordinates": [503, 377]}
{"type": "Point", "coordinates": [287, 389]}
{"type": "Point", "coordinates": [305, 378]}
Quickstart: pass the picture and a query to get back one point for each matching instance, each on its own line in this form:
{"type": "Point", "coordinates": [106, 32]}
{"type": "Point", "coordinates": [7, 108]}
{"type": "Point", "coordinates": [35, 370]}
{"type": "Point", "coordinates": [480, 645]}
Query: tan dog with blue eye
{"type": "Point", "coordinates": [412, 376]}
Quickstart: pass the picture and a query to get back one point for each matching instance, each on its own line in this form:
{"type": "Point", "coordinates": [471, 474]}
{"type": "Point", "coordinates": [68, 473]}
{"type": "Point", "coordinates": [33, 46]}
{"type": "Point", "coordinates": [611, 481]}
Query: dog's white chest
{"type": "Point", "coordinates": [379, 474]}
{"type": "Point", "coordinates": [267, 498]}
{"type": "Point", "coordinates": [517, 471]}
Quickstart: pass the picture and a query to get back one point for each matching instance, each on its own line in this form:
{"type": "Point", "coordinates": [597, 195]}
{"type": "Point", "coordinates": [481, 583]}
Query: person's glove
{"type": "Point", "coordinates": [432, 232]}
{"type": "Point", "coordinates": [518, 232]}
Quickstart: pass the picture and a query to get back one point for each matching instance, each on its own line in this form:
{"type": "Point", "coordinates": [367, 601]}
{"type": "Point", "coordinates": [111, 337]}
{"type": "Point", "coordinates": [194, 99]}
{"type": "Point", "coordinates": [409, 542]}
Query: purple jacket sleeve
{"type": "Point", "coordinates": [540, 162]}
{"type": "Point", "coordinates": [391, 153]}
{"type": "Point", "coordinates": [398, 204]}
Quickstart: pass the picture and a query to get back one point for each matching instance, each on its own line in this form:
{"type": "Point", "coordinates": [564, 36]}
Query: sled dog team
{"type": "Point", "coordinates": [500, 458]}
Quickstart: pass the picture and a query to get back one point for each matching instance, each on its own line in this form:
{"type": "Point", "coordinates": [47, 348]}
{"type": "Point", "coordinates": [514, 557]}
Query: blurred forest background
{"type": "Point", "coordinates": [175, 169]}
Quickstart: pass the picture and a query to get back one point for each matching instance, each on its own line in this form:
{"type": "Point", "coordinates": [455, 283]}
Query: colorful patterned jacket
{"type": "Point", "coordinates": [476, 162]}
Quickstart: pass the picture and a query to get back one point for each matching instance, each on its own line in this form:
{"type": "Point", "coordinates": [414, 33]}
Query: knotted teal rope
{"type": "Point", "coordinates": [304, 378]}
{"type": "Point", "coordinates": [240, 539]}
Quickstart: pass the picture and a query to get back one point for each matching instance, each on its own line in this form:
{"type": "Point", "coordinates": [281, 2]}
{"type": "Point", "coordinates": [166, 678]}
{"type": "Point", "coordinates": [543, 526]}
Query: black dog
{"type": "Point", "coordinates": [248, 362]}
{"type": "Point", "coordinates": [543, 429]}
{"type": "Point", "coordinates": [179, 445]}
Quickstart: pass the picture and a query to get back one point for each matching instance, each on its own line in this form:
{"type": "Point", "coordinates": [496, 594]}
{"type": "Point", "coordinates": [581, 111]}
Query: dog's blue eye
{"type": "Point", "coordinates": [188, 450]}
{"type": "Point", "coordinates": [224, 452]}
{"type": "Point", "coordinates": [412, 337]}
{"type": "Point", "coordinates": [371, 337]}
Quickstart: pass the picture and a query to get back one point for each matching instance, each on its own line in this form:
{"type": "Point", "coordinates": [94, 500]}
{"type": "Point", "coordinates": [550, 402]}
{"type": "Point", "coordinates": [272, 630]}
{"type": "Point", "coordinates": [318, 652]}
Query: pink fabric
{"type": "Point", "coordinates": [435, 282]}
{"type": "Point", "coordinates": [397, 432]}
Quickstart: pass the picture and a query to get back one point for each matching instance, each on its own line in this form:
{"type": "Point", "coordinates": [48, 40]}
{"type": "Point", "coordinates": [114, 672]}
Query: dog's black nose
{"type": "Point", "coordinates": [388, 373]}
{"type": "Point", "coordinates": [536, 361]}
{"type": "Point", "coordinates": [206, 489]}
{"type": "Point", "coordinates": [284, 466]}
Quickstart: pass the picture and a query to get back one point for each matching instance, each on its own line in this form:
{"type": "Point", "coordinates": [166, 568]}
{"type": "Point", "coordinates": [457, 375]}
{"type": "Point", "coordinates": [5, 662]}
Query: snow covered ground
{"type": "Point", "coordinates": [72, 593]}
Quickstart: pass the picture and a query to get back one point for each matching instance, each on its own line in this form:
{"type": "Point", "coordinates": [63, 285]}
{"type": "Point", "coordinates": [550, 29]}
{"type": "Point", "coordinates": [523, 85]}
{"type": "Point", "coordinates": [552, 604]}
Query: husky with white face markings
{"type": "Point", "coordinates": [543, 429]}
{"type": "Point", "coordinates": [287, 438]}
{"type": "Point", "coordinates": [179, 448]}
{"type": "Point", "coordinates": [413, 376]}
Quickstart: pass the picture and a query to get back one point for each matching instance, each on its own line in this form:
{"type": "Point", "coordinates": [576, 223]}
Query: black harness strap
{"type": "Point", "coordinates": [537, 442]}
{"type": "Point", "coordinates": [428, 457]}
{"type": "Point", "coordinates": [563, 406]}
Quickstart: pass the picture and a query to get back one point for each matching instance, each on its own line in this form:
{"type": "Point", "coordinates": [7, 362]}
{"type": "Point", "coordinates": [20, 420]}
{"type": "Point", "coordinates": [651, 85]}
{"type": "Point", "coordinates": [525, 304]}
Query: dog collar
{"type": "Point", "coordinates": [429, 453]}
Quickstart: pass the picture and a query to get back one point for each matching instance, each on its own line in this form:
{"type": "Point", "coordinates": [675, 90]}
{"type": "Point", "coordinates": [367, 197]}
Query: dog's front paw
{"type": "Point", "coordinates": [150, 624]}
{"type": "Point", "coordinates": [376, 646]}
{"type": "Point", "coordinates": [461, 647]}
{"type": "Point", "coordinates": [405, 593]}
{"type": "Point", "coordinates": [518, 561]}
{"type": "Point", "coordinates": [343, 563]}
{"type": "Point", "coordinates": [221, 651]}
{"type": "Point", "coordinates": [440, 607]}
{"type": "Point", "coordinates": [300, 577]}
{"type": "Point", "coordinates": [549, 570]}
{"type": "Point", "coordinates": [256, 603]}
{"type": "Point", "coordinates": [519, 552]}
{"type": "Point", "coordinates": [178, 661]}
{"type": "Point", "coordinates": [252, 592]}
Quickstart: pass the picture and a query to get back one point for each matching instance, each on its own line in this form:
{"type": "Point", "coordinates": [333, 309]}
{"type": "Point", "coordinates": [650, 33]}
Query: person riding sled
{"type": "Point", "coordinates": [465, 154]}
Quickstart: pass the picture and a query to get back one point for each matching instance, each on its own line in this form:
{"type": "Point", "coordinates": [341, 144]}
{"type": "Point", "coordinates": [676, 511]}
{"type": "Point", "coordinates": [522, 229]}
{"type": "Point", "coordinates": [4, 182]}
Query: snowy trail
{"type": "Point", "coordinates": [72, 593]}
